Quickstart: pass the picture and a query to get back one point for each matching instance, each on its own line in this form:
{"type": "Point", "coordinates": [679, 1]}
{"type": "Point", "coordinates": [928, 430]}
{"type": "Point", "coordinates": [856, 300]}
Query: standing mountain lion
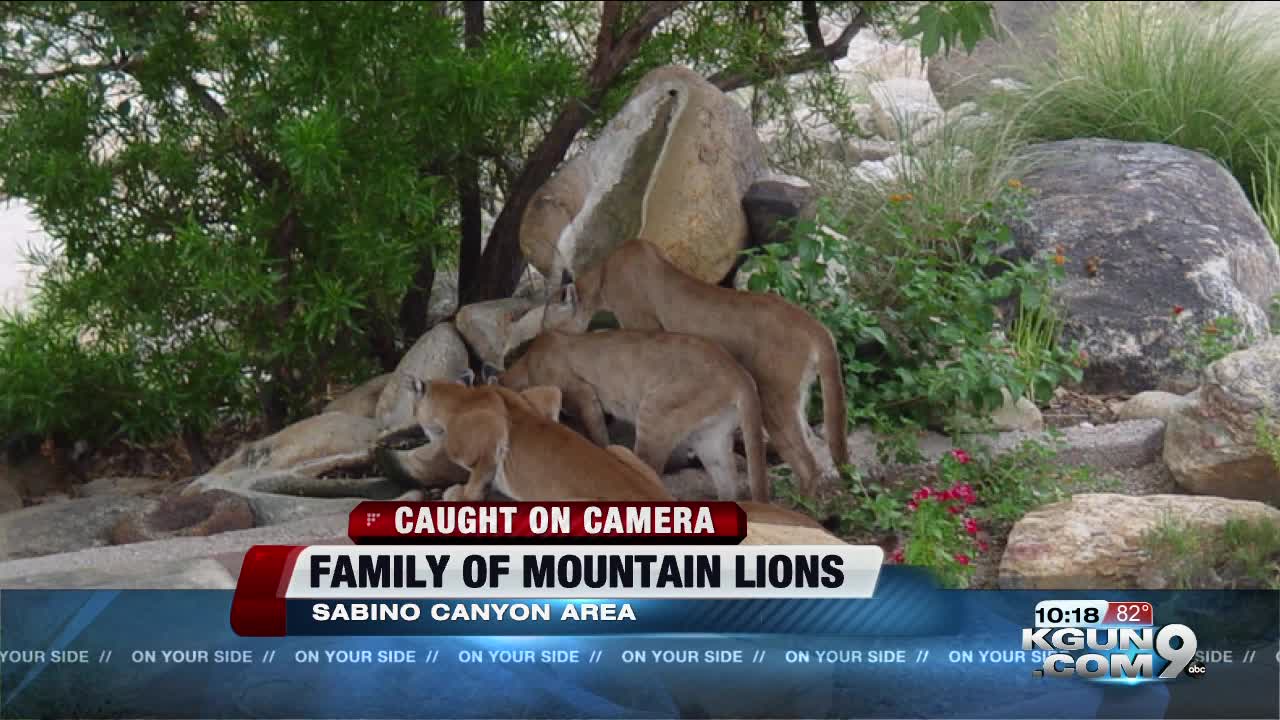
{"type": "Point", "coordinates": [675, 389]}
{"type": "Point", "coordinates": [782, 346]}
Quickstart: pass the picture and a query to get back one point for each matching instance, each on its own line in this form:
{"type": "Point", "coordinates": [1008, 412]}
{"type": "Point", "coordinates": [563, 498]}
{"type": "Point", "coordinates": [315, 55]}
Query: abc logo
{"type": "Point", "coordinates": [1196, 669]}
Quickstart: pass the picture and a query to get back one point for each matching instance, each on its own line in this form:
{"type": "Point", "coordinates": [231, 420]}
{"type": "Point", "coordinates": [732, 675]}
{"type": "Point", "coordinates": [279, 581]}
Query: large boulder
{"type": "Point", "coordinates": [494, 328]}
{"type": "Point", "coordinates": [671, 166]}
{"type": "Point", "coordinates": [1099, 541]}
{"type": "Point", "coordinates": [1212, 448]}
{"type": "Point", "coordinates": [1145, 228]}
{"type": "Point", "coordinates": [439, 354]}
{"type": "Point", "coordinates": [774, 201]}
{"type": "Point", "coordinates": [312, 447]}
{"type": "Point", "coordinates": [361, 400]}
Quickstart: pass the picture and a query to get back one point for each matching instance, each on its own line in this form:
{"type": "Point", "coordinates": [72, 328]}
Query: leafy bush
{"type": "Point", "coordinates": [54, 383]}
{"type": "Point", "coordinates": [1210, 341]}
{"type": "Point", "coordinates": [913, 307]}
{"type": "Point", "coordinates": [1166, 73]}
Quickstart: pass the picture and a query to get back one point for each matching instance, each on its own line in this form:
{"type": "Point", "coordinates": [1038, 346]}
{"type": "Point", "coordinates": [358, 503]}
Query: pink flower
{"type": "Point", "coordinates": [946, 495]}
{"type": "Point", "coordinates": [962, 558]}
{"type": "Point", "coordinates": [912, 505]}
{"type": "Point", "coordinates": [955, 509]}
{"type": "Point", "coordinates": [971, 526]}
{"type": "Point", "coordinates": [983, 546]}
{"type": "Point", "coordinates": [922, 494]}
{"type": "Point", "coordinates": [961, 456]}
{"type": "Point", "coordinates": [964, 492]}
{"type": "Point", "coordinates": [897, 557]}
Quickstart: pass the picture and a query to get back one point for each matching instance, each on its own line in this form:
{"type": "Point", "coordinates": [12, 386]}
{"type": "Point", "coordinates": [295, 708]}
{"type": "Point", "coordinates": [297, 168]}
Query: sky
{"type": "Point", "coordinates": [18, 232]}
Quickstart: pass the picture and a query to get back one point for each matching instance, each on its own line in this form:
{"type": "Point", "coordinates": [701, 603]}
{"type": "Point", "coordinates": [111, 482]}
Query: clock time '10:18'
{"type": "Point", "coordinates": [1078, 615]}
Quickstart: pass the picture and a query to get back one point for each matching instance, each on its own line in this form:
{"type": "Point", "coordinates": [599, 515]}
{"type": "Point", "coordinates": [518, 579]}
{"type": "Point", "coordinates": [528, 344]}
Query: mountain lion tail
{"type": "Point", "coordinates": [749, 416]}
{"type": "Point", "coordinates": [834, 412]}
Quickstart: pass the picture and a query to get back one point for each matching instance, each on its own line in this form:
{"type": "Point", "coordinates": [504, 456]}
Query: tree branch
{"type": "Point", "coordinates": [812, 24]}
{"type": "Point", "coordinates": [810, 59]}
{"type": "Point", "coordinates": [122, 65]}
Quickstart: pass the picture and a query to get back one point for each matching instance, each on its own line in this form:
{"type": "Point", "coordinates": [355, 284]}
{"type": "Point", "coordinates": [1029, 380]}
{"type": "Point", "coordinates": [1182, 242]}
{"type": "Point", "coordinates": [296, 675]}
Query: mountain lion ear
{"type": "Point", "coordinates": [489, 373]}
{"type": "Point", "coordinates": [468, 377]}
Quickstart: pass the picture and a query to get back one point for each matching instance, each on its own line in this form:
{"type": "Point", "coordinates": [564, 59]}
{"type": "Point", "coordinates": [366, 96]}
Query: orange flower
{"type": "Point", "coordinates": [1060, 259]}
{"type": "Point", "coordinates": [1015, 183]}
{"type": "Point", "coordinates": [899, 197]}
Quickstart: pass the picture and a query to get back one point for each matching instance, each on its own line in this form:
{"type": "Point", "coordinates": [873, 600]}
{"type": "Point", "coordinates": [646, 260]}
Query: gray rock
{"type": "Point", "coordinates": [61, 527]}
{"type": "Point", "coordinates": [120, 486]}
{"type": "Point", "coordinates": [773, 200]}
{"type": "Point", "coordinates": [868, 149]}
{"type": "Point", "coordinates": [673, 165]}
{"type": "Point", "coordinates": [874, 57]}
{"type": "Point", "coordinates": [1023, 27]}
{"type": "Point", "coordinates": [1162, 227]}
{"type": "Point", "coordinates": [1118, 446]}
{"type": "Point", "coordinates": [1057, 546]}
{"type": "Point", "coordinates": [165, 564]}
{"type": "Point", "coordinates": [494, 328]}
{"type": "Point", "coordinates": [311, 447]}
{"type": "Point", "coordinates": [361, 400]}
{"type": "Point", "coordinates": [1014, 415]}
{"type": "Point", "coordinates": [280, 497]}
{"type": "Point", "coordinates": [438, 355]}
{"type": "Point", "coordinates": [902, 105]}
{"type": "Point", "coordinates": [1156, 404]}
{"type": "Point", "coordinates": [1212, 448]}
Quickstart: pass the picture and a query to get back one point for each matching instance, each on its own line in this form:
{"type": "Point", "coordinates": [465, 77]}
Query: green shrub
{"type": "Point", "coordinates": [1166, 73]}
{"type": "Point", "coordinates": [55, 383]}
{"type": "Point", "coordinates": [912, 302]}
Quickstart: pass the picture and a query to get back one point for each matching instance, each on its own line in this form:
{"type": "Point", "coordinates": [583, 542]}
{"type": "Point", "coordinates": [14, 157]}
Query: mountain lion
{"type": "Point", "coordinates": [675, 389]}
{"type": "Point", "coordinates": [782, 346]}
{"type": "Point", "coordinates": [510, 439]}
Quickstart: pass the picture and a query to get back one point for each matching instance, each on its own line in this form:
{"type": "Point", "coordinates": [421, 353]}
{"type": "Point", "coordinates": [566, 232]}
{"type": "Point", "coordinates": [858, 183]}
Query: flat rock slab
{"type": "Point", "coordinates": [1116, 446]}
{"type": "Point", "coordinates": [176, 563]}
{"type": "Point", "coordinates": [62, 527]}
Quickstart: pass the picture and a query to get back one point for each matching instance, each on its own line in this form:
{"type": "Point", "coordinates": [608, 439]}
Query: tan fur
{"type": "Point", "coordinates": [783, 347]}
{"type": "Point", "coordinates": [510, 442]}
{"type": "Point", "coordinates": [675, 389]}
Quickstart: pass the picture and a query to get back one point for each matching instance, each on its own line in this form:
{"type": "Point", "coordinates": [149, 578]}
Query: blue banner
{"type": "Point", "coordinates": [911, 651]}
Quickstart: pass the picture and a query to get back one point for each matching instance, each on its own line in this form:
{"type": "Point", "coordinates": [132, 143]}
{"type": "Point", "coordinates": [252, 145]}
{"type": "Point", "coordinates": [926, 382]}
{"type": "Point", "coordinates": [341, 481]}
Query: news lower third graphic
{"type": "Point", "coordinates": [501, 629]}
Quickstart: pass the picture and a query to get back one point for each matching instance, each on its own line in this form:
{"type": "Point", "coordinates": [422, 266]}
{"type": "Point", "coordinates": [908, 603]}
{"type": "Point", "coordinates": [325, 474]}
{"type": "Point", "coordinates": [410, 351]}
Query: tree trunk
{"type": "Point", "coordinates": [469, 197]}
{"type": "Point", "coordinates": [417, 301]}
{"type": "Point", "coordinates": [193, 441]}
{"type": "Point", "coordinates": [502, 261]}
